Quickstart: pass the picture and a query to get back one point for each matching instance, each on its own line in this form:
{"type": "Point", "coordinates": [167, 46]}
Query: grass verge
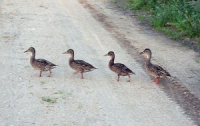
{"type": "Point", "coordinates": [178, 19]}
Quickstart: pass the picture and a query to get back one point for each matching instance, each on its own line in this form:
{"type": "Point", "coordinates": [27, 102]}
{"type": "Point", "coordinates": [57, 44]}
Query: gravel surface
{"type": "Point", "coordinates": [52, 27]}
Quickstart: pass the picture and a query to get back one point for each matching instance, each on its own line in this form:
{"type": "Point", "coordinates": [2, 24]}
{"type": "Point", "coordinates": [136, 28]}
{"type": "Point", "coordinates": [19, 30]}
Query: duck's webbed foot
{"type": "Point", "coordinates": [76, 72]}
{"type": "Point", "coordinates": [156, 80]}
{"type": "Point", "coordinates": [82, 76]}
{"type": "Point", "coordinates": [129, 78]}
{"type": "Point", "coordinates": [118, 77]}
{"type": "Point", "coordinates": [40, 75]}
{"type": "Point", "coordinates": [50, 73]}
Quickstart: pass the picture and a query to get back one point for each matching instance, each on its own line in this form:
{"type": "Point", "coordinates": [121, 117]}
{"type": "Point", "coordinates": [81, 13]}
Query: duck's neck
{"type": "Point", "coordinates": [148, 61]}
{"type": "Point", "coordinates": [111, 62]}
{"type": "Point", "coordinates": [32, 59]}
{"type": "Point", "coordinates": [71, 58]}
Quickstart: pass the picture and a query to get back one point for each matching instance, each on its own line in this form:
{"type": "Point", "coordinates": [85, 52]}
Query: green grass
{"type": "Point", "coordinates": [59, 92]}
{"type": "Point", "coordinates": [26, 66]}
{"type": "Point", "coordinates": [197, 59]}
{"type": "Point", "coordinates": [69, 93]}
{"type": "Point", "coordinates": [114, 1]}
{"type": "Point", "coordinates": [176, 18]}
{"type": "Point", "coordinates": [198, 41]}
{"type": "Point", "coordinates": [80, 107]}
{"type": "Point", "coordinates": [42, 82]}
{"type": "Point", "coordinates": [172, 34]}
{"type": "Point", "coordinates": [30, 86]}
{"type": "Point", "coordinates": [31, 93]}
{"type": "Point", "coordinates": [121, 3]}
{"type": "Point", "coordinates": [50, 100]}
{"type": "Point", "coordinates": [141, 17]}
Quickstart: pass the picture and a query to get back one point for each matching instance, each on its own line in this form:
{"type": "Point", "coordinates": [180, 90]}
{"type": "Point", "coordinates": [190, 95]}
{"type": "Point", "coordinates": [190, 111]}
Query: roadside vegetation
{"type": "Point", "coordinates": [176, 18]}
{"type": "Point", "coordinates": [179, 19]}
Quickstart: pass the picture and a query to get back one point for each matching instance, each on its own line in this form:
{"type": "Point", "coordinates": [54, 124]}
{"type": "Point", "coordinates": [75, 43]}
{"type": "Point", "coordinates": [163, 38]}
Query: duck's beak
{"type": "Point", "coordinates": [141, 53]}
{"type": "Point", "coordinates": [65, 53]}
{"type": "Point", "coordinates": [25, 51]}
{"type": "Point", "coordinates": [106, 55]}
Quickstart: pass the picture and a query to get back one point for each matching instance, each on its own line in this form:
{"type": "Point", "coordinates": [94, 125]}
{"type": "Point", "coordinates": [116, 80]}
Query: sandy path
{"type": "Point", "coordinates": [52, 27]}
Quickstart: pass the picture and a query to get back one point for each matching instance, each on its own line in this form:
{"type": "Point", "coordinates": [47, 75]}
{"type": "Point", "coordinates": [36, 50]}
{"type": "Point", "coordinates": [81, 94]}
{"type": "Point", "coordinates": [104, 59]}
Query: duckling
{"type": "Point", "coordinates": [79, 66]}
{"type": "Point", "coordinates": [40, 64]}
{"type": "Point", "coordinates": [154, 70]}
{"type": "Point", "coordinates": [118, 68]}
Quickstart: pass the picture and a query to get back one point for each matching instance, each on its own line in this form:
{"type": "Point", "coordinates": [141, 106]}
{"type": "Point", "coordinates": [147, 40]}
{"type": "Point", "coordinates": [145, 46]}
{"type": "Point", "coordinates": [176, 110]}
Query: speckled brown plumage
{"type": "Point", "coordinates": [118, 68]}
{"type": "Point", "coordinates": [152, 69]}
{"type": "Point", "coordinates": [40, 64]}
{"type": "Point", "coordinates": [79, 66]}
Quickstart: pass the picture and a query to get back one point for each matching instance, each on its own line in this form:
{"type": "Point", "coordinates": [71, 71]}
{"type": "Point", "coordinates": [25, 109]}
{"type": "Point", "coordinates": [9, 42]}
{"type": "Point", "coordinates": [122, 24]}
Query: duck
{"type": "Point", "coordinates": [154, 70]}
{"type": "Point", "coordinates": [80, 66]}
{"type": "Point", "coordinates": [118, 68]}
{"type": "Point", "coordinates": [40, 64]}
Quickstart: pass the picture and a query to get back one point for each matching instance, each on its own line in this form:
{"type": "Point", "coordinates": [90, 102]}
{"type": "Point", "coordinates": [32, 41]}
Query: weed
{"type": "Point", "coordinates": [69, 93]}
{"type": "Point", "coordinates": [80, 107]}
{"type": "Point", "coordinates": [30, 86]}
{"type": "Point", "coordinates": [197, 59]}
{"type": "Point", "coordinates": [31, 93]}
{"type": "Point", "coordinates": [42, 82]}
{"type": "Point", "coordinates": [114, 1]}
{"type": "Point", "coordinates": [50, 100]}
{"type": "Point", "coordinates": [120, 3]}
{"type": "Point", "coordinates": [172, 34]}
{"type": "Point", "coordinates": [63, 97]}
{"type": "Point", "coordinates": [26, 66]}
{"type": "Point", "coordinates": [141, 17]}
{"type": "Point", "coordinates": [59, 92]}
{"type": "Point", "coordinates": [198, 41]}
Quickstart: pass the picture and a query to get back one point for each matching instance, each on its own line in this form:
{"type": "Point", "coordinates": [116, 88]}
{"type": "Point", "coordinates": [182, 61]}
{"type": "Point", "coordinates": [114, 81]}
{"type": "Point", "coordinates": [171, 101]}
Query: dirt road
{"type": "Point", "coordinates": [92, 29]}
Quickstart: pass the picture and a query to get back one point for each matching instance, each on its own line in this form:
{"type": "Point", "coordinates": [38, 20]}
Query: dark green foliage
{"type": "Point", "coordinates": [180, 15]}
{"type": "Point", "coordinates": [198, 41]}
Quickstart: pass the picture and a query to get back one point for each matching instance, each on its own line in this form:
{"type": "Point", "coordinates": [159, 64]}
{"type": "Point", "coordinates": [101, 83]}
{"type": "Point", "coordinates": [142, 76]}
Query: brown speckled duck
{"type": "Point", "coordinates": [154, 70]}
{"type": "Point", "coordinates": [79, 66]}
{"type": "Point", "coordinates": [118, 68]}
{"type": "Point", "coordinates": [40, 64]}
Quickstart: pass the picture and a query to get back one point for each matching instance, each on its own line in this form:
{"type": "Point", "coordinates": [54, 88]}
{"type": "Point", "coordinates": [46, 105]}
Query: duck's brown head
{"type": "Point", "coordinates": [70, 51]}
{"type": "Point", "coordinates": [146, 52]}
{"type": "Point", "coordinates": [31, 49]}
{"type": "Point", "coordinates": [111, 53]}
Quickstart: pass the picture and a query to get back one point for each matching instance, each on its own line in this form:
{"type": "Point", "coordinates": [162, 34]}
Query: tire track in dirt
{"type": "Point", "coordinates": [173, 88]}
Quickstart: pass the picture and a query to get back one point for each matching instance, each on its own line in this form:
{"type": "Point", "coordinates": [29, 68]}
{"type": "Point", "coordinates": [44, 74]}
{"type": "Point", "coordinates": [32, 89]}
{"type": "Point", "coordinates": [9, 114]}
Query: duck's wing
{"type": "Point", "coordinates": [123, 68]}
{"type": "Point", "coordinates": [84, 65]}
{"type": "Point", "coordinates": [159, 70]}
{"type": "Point", "coordinates": [45, 62]}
